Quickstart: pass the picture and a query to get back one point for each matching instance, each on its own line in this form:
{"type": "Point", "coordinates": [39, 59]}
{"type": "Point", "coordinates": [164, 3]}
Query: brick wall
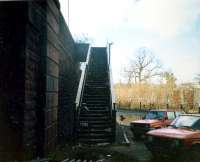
{"type": "Point", "coordinates": [39, 76]}
{"type": "Point", "coordinates": [35, 78]}
{"type": "Point", "coordinates": [68, 83]}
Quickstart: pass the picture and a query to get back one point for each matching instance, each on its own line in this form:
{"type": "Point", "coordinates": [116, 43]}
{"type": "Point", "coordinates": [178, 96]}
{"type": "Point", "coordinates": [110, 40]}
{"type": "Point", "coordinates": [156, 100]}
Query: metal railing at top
{"type": "Point", "coordinates": [82, 81]}
{"type": "Point", "coordinates": [112, 88]}
{"type": "Point", "coordinates": [112, 95]}
{"type": "Point", "coordinates": [111, 85]}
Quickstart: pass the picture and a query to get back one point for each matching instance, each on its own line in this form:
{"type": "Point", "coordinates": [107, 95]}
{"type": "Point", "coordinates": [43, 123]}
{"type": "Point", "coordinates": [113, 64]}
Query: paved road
{"type": "Point", "coordinates": [129, 116]}
{"type": "Point", "coordinates": [134, 149]}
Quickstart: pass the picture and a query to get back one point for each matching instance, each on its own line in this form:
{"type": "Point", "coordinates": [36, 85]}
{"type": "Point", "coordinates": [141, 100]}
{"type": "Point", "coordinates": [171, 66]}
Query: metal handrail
{"type": "Point", "coordinates": [81, 87]}
{"type": "Point", "coordinates": [82, 81]}
{"type": "Point", "coordinates": [80, 92]}
{"type": "Point", "coordinates": [111, 85]}
{"type": "Point", "coordinates": [112, 95]}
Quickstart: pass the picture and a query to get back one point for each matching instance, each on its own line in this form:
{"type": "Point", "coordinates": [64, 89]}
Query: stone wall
{"type": "Point", "coordinates": [12, 31]}
{"type": "Point", "coordinates": [69, 73]}
{"type": "Point", "coordinates": [39, 74]}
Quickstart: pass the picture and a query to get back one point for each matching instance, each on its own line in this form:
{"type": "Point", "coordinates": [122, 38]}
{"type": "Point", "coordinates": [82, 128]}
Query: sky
{"type": "Point", "coordinates": [169, 28]}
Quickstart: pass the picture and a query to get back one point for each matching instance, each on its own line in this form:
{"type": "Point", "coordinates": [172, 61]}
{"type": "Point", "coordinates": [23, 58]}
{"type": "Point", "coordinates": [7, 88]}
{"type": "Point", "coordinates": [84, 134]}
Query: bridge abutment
{"type": "Point", "coordinates": [39, 74]}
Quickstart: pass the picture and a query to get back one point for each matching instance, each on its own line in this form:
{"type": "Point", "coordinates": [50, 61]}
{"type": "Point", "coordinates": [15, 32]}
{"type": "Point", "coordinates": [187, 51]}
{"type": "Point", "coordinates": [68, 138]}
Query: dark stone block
{"type": "Point", "coordinates": [38, 78]}
{"type": "Point", "coordinates": [81, 51]}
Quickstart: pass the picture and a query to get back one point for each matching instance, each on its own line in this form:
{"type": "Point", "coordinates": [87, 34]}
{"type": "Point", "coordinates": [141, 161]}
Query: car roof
{"type": "Point", "coordinates": [163, 110]}
{"type": "Point", "coordinates": [198, 115]}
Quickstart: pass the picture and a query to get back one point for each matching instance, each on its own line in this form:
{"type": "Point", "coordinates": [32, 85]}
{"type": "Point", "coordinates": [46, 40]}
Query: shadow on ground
{"type": "Point", "coordinates": [120, 151]}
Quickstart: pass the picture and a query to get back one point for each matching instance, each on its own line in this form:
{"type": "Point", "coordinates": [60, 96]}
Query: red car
{"type": "Point", "coordinates": [154, 119]}
{"type": "Point", "coordinates": [181, 139]}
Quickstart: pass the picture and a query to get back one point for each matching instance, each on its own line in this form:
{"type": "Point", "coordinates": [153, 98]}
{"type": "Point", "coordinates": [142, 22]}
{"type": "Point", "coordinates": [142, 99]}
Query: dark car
{"type": "Point", "coordinates": [181, 138]}
{"type": "Point", "coordinates": [154, 119]}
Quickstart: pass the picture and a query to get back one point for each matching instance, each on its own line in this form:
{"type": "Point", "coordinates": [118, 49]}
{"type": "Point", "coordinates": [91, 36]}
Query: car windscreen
{"type": "Point", "coordinates": [187, 121]}
{"type": "Point", "coordinates": [155, 115]}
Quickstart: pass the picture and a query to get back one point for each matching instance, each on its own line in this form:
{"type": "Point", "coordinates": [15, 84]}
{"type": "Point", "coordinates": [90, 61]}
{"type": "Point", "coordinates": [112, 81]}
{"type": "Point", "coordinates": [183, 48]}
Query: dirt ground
{"type": "Point", "coordinates": [120, 151]}
{"type": "Point", "coordinates": [125, 149]}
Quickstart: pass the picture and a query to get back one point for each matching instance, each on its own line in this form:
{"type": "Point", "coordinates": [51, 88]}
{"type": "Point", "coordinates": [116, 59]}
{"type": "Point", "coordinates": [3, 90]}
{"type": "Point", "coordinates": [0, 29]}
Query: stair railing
{"type": "Point", "coordinates": [112, 94]}
{"type": "Point", "coordinates": [80, 91]}
{"type": "Point", "coordinates": [111, 84]}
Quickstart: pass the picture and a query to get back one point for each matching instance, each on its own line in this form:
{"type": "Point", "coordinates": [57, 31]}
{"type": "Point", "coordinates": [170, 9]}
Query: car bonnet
{"type": "Point", "coordinates": [172, 133]}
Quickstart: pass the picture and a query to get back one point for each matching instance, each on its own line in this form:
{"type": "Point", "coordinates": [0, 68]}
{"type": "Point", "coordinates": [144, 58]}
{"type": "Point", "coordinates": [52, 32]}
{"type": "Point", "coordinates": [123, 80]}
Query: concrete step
{"type": "Point", "coordinates": [103, 105]}
{"type": "Point", "coordinates": [96, 111]}
{"type": "Point", "coordinates": [94, 141]}
{"type": "Point", "coordinates": [92, 130]}
{"type": "Point", "coordinates": [94, 135]}
{"type": "Point", "coordinates": [97, 118]}
{"type": "Point", "coordinates": [91, 98]}
{"type": "Point", "coordinates": [77, 160]}
{"type": "Point", "coordinates": [94, 115]}
{"type": "Point", "coordinates": [96, 102]}
{"type": "Point", "coordinates": [88, 126]}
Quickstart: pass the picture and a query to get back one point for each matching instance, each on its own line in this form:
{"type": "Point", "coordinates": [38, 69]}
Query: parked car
{"type": "Point", "coordinates": [154, 119]}
{"type": "Point", "coordinates": [182, 138]}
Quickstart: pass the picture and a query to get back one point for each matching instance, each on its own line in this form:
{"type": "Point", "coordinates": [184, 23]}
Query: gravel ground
{"type": "Point", "coordinates": [120, 151]}
{"type": "Point", "coordinates": [134, 149]}
{"type": "Point", "coordinates": [125, 149]}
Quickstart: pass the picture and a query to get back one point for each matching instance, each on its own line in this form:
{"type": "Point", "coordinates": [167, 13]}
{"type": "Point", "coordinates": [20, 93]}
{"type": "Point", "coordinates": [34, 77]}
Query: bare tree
{"type": "Point", "coordinates": [170, 85]}
{"type": "Point", "coordinates": [129, 74]}
{"type": "Point", "coordinates": [143, 67]}
{"type": "Point", "coordinates": [170, 78]}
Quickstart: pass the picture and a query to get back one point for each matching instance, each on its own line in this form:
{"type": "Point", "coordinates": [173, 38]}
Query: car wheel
{"type": "Point", "coordinates": [137, 136]}
{"type": "Point", "coordinates": [156, 156]}
{"type": "Point", "coordinates": [194, 153]}
{"type": "Point", "coordinates": [184, 157]}
{"type": "Point", "coordinates": [191, 155]}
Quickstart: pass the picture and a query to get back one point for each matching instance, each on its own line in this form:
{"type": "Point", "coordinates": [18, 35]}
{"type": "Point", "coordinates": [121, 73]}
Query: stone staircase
{"type": "Point", "coordinates": [95, 117]}
{"type": "Point", "coordinates": [67, 160]}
